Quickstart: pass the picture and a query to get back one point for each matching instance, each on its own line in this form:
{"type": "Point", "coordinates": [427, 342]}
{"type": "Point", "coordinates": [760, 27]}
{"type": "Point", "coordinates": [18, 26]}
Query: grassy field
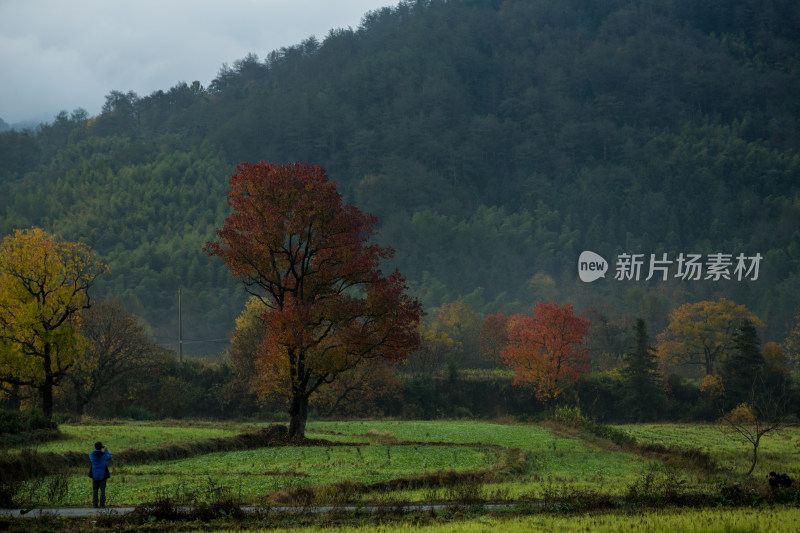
{"type": "Point", "coordinates": [252, 475]}
{"type": "Point", "coordinates": [554, 459]}
{"type": "Point", "coordinates": [383, 453]}
{"type": "Point", "coordinates": [779, 451]}
{"type": "Point", "coordinates": [522, 463]}
{"type": "Point", "coordinates": [782, 520]}
{"type": "Point", "coordinates": [136, 435]}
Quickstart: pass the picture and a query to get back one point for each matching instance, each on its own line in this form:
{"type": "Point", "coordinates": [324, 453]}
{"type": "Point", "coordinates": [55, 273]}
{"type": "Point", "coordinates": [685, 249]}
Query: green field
{"type": "Point", "coordinates": [554, 460]}
{"type": "Point", "coordinates": [522, 463]}
{"type": "Point", "coordinates": [379, 451]}
{"type": "Point", "coordinates": [784, 520]}
{"type": "Point", "coordinates": [252, 475]}
{"type": "Point", "coordinates": [776, 451]}
{"type": "Point", "coordinates": [135, 435]}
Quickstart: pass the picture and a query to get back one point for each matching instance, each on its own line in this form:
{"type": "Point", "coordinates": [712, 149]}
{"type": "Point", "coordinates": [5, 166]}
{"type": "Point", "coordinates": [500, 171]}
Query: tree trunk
{"type": "Point", "coordinates": [46, 389]}
{"type": "Point", "coordinates": [15, 402]}
{"type": "Point", "coordinates": [80, 406]}
{"type": "Point", "coordinates": [755, 456]}
{"type": "Point", "coordinates": [298, 414]}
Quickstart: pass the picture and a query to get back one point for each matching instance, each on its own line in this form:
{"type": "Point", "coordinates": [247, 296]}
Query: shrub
{"type": "Point", "coordinates": [16, 422]}
{"type": "Point", "coordinates": [617, 436]}
{"type": "Point", "coordinates": [569, 416]}
{"type": "Point", "coordinates": [134, 412]}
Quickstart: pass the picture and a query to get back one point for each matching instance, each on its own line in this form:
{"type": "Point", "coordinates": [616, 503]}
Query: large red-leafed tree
{"type": "Point", "coordinates": [309, 258]}
{"type": "Point", "coordinates": [547, 350]}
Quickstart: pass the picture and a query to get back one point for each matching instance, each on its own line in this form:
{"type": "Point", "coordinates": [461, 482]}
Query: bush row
{"type": "Point", "coordinates": [16, 422]}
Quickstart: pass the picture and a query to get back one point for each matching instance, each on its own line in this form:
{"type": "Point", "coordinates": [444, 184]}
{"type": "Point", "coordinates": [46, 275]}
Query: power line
{"type": "Point", "coordinates": [194, 341]}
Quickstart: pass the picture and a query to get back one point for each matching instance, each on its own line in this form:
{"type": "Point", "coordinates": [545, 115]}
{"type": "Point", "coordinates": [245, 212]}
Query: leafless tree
{"type": "Point", "coordinates": [769, 409]}
{"type": "Point", "coordinates": [117, 348]}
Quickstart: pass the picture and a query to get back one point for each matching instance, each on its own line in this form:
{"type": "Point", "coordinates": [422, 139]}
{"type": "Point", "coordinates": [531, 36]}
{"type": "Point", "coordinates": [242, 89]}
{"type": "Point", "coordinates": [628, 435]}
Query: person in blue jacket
{"type": "Point", "coordinates": [99, 458]}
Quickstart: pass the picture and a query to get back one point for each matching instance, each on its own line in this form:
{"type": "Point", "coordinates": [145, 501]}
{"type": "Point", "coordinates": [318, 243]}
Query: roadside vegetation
{"type": "Point", "coordinates": [688, 521]}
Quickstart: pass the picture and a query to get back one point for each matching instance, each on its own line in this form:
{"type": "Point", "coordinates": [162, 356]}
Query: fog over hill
{"type": "Point", "coordinates": [495, 140]}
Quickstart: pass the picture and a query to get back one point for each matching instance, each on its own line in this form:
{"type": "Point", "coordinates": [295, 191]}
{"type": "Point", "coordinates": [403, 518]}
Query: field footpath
{"type": "Point", "coordinates": [74, 512]}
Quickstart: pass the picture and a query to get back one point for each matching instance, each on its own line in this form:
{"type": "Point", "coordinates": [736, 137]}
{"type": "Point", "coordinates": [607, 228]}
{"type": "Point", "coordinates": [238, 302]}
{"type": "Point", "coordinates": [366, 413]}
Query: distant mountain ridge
{"type": "Point", "coordinates": [18, 126]}
{"type": "Point", "coordinates": [495, 140]}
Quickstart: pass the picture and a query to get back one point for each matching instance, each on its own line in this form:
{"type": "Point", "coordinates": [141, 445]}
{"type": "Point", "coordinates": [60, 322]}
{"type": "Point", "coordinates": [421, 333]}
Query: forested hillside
{"type": "Point", "coordinates": [495, 140]}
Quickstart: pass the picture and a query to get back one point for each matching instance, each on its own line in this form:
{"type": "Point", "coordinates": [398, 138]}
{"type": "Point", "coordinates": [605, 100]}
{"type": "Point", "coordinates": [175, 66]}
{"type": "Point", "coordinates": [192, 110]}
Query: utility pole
{"type": "Point", "coordinates": [180, 329]}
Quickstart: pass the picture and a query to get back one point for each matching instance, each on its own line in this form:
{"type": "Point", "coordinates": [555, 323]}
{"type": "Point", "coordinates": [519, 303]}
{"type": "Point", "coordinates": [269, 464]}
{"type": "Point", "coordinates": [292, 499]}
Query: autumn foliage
{"type": "Point", "coordinates": [44, 284]}
{"type": "Point", "coordinates": [493, 337]}
{"type": "Point", "coordinates": [701, 334]}
{"type": "Point", "coordinates": [308, 257]}
{"type": "Point", "coordinates": [546, 350]}
{"type": "Point", "coordinates": [352, 392]}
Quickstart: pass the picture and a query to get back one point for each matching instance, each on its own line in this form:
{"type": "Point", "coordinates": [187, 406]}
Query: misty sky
{"type": "Point", "coordinates": [60, 55]}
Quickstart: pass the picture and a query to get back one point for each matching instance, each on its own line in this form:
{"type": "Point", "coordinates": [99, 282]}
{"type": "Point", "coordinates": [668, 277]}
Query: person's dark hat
{"type": "Point", "coordinates": [98, 445]}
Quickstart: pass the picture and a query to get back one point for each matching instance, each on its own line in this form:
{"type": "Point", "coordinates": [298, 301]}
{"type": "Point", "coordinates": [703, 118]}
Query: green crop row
{"type": "Point", "coordinates": [553, 459]}
{"type": "Point", "coordinates": [548, 461]}
{"type": "Point", "coordinates": [251, 475]}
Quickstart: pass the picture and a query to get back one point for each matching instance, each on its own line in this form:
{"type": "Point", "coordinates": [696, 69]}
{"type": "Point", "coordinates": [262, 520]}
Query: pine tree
{"type": "Point", "coordinates": [643, 395]}
{"type": "Point", "coordinates": [742, 371]}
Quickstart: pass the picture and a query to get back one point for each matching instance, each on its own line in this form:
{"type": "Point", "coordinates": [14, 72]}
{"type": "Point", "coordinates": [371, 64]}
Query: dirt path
{"type": "Point", "coordinates": [283, 509]}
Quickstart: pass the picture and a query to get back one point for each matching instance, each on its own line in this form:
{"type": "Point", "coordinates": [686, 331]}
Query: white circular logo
{"type": "Point", "coordinates": [591, 266]}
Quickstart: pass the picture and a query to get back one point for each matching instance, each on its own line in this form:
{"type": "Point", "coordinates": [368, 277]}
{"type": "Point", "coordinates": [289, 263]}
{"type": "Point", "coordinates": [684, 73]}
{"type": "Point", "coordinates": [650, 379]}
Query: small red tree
{"type": "Point", "coordinates": [307, 256]}
{"type": "Point", "coordinates": [547, 350]}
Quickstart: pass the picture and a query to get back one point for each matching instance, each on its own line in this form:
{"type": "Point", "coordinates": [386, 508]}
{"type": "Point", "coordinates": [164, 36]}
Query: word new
{"type": "Point", "coordinates": [591, 266]}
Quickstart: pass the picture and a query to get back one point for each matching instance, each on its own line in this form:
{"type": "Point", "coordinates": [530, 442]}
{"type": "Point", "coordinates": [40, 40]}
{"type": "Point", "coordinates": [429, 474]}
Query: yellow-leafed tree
{"type": "Point", "coordinates": [44, 284]}
{"type": "Point", "coordinates": [701, 334]}
{"type": "Point", "coordinates": [791, 345]}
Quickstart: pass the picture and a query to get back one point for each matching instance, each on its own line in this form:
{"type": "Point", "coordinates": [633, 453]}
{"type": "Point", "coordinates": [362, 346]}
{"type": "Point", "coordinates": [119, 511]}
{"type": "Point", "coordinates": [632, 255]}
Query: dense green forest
{"type": "Point", "coordinates": [495, 140]}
